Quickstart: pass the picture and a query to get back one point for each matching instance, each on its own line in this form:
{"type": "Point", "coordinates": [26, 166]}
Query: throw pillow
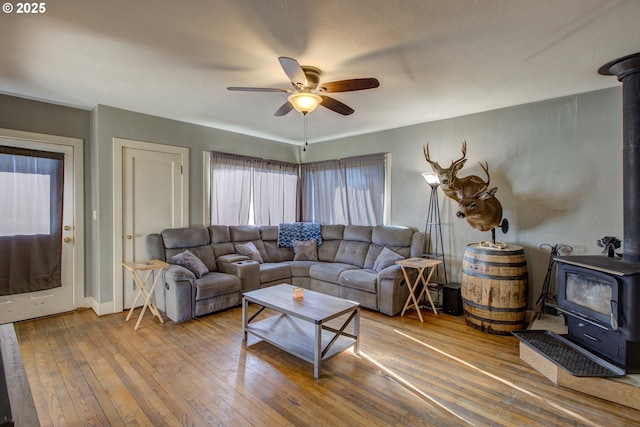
{"type": "Point", "coordinates": [191, 262]}
{"type": "Point", "coordinates": [305, 250]}
{"type": "Point", "coordinates": [386, 258]}
{"type": "Point", "coordinates": [250, 250]}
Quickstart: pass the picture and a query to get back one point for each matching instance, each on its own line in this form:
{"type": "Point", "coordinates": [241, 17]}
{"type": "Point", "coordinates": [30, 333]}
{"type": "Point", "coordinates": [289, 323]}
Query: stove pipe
{"type": "Point", "coordinates": [627, 70]}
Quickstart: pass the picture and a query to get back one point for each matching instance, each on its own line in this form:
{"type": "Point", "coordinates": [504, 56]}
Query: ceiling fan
{"type": "Point", "coordinates": [308, 92]}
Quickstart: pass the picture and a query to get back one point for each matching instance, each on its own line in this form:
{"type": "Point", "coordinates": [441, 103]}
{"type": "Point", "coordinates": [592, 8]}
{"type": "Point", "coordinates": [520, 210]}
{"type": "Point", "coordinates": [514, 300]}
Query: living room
{"type": "Point", "coordinates": [556, 160]}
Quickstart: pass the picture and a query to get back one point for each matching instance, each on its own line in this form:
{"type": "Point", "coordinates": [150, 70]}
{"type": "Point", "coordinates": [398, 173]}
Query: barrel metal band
{"type": "Point", "coordinates": [474, 273]}
{"type": "Point", "coordinates": [490, 308]}
{"type": "Point", "coordinates": [496, 263]}
{"type": "Point", "coordinates": [498, 322]}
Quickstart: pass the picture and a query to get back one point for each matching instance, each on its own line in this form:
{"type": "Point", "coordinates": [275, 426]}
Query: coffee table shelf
{"type": "Point", "coordinates": [301, 327]}
{"type": "Point", "coordinates": [297, 337]}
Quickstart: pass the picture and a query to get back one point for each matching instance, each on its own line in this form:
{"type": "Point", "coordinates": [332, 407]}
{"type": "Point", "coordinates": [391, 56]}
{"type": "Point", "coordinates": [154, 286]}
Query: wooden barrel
{"type": "Point", "coordinates": [494, 288]}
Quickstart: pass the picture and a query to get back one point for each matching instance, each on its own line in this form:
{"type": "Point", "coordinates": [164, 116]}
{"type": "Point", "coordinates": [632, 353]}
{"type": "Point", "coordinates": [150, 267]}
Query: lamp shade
{"type": "Point", "coordinates": [431, 178]}
{"type": "Point", "coordinates": [304, 102]}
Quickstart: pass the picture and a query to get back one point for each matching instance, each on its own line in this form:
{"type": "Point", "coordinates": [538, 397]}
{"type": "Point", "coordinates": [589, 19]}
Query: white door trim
{"type": "Point", "coordinates": [119, 144]}
{"type": "Point", "coordinates": [78, 200]}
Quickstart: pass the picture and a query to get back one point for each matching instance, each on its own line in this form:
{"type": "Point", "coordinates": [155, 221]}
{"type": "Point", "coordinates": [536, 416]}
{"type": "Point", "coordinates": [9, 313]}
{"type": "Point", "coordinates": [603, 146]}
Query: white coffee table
{"type": "Point", "coordinates": [300, 327]}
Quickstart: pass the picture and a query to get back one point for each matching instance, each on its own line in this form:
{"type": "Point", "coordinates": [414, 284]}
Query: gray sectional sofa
{"type": "Point", "coordinates": [346, 266]}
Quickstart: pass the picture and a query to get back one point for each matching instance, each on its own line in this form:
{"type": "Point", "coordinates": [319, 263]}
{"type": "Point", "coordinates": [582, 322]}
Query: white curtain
{"type": "Point", "coordinates": [324, 197]}
{"type": "Point", "coordinates": [365, 189]}
{"type": "Point", "coordinates": [347, 191]}
{"type": "Point", "coordinates": [230, 189]}
{"type": "Point", "coordinates": [275, 192]}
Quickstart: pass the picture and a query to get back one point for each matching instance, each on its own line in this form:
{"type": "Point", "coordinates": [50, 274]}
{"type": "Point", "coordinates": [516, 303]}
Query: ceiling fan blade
{"type": "Point", "coordinates": [284, 109]}
{"type": "Point", "coordinates": [256, 89]}
{"type": "Point", "coordinates": [335, 105]}
{"type": "Point", "coordinates": [293, 70]}
{"type": "Point", "coordinates": [349, 85]}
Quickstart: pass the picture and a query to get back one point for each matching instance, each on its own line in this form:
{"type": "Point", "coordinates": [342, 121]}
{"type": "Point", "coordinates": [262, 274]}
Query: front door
{"type": "Point", "coordinates": [154, 197]}
{"type": "Point", "coordinates": [70, 295]}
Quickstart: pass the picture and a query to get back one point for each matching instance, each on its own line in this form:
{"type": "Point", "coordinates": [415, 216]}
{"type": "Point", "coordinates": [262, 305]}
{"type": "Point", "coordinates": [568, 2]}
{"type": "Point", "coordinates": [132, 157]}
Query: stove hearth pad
{"type": "Point", "coordinates": [569, 356]}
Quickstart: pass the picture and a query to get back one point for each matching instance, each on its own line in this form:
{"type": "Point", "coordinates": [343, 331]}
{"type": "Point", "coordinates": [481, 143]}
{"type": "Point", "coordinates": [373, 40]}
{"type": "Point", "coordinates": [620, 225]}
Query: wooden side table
{"type": "Point", "coordinates": [140, 272]}
{"type": "Point", "coordinates": [420, 264]}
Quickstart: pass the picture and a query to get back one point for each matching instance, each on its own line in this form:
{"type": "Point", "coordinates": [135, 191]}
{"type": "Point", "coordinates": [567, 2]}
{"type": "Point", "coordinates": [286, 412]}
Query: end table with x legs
{"type": "Point", "coordinates": [141, 272]}
{"type": "Point", "coordinates": [420, 264]}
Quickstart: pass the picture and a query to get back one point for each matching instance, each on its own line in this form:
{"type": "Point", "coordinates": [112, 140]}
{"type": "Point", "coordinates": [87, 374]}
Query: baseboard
{"type": "Point", "coordinates": [99, 309]}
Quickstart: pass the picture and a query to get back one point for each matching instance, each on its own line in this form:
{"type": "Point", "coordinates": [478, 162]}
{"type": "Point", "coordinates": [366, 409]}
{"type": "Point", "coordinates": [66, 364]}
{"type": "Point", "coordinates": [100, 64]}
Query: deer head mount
{"type": "Point", "coordinates": [476, 202]}
{"type": "Point", "coordinates": [449, 180]}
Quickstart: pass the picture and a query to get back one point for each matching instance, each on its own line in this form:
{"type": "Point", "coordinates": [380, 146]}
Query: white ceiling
{"type": "Point", "coordinates": [434, 58]}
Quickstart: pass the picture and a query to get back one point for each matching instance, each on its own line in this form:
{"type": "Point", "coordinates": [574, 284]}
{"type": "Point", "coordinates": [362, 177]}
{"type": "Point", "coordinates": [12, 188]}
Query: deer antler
{"type": "Point", "coordinates": [461, 159]}
{"type": "Point", "coordinates": [485, 168]}
{"type": "Point", "coordinates": [436, 167]}
{"type": "Point", "coordinates": [485, 185]}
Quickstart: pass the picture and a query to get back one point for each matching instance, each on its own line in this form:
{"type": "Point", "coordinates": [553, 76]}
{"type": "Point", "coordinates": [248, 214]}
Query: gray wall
{"type": "Point", "coordinates": [109, 123]}
{"type": "Point", "coordinates": [40, 117]}
{"type": "Point", "coordinates": [557, 165]}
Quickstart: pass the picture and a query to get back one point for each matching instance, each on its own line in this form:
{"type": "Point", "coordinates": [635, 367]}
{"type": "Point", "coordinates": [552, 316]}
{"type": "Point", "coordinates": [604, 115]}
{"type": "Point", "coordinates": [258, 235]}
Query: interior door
{"type": "Point", "coordinates": [153, 198]}
{"type": "Point", "coordinates": [18, 307]}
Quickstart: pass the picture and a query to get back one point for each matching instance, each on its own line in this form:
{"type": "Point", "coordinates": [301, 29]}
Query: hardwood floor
{"type": "Point", "coordinates": [90, 370]}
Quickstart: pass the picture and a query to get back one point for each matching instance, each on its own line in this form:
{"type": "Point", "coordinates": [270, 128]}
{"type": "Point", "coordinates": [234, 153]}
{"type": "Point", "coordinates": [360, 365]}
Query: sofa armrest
{"type": "Point", "coordinates": [390, 272]}
{"type": "Point", "coordinates": [247, 270]}
{"type": "Point", "coordinates": [231, 258]}
{"type": "Point", "coordinates": [178, 273]}
{"type": "Point", "coordinates": [179, 291]}
{"type": "Point", "coordinates": [393, 290]}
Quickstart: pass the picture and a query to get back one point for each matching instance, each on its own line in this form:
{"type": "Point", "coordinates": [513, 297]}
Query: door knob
{"type": "Point", "coordinates": [67, 239]}
{"type": "Point", "coordinates": [129, 237]}
{"type": "Point", "coordinates": [67, 227]}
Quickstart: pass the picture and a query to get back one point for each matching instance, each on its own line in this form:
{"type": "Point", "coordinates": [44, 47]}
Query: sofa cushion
{"type": "Point", "coordinates": [372, 255]}
{"type": "Point", "coordinates": [332, 232]}
{"type": "Point", "coordinates": [204, 254]}
{"type": "Point", "coordinates": [269, 232]}
{"type": "Point", "coordinates": [250, 250]}
{"type": "Point", "coordinates": [191, 262]}
{"type": "Point", "coordinates": [174, 238]}
{"type": "Point", "coordinates": [387, 258]}
{"type": "Point", "coordinates": [352, 252]}
{"type": "Point", "coordinates": [300, 268]}
{"type": "Point", "coordinates": [276, 253]}
{"type": "Point", "coordinates": [328, 250]}
{"type": "Point", "coordinates": [305, 250]}
{"type": "Point", "coordinates": [360, 233]}
{"type": "Point", "coordinates": [244, 233]}
{"type": "Point", "coordinates": [221, 249]}
{"type": "Point", "coordinates": [219, 233]}
{"type": "Point", "coordinates": [364, 280]}
{"type": "Point", "coordinates": [271, 272]}
{"type": "Point", "coordinates": [392, 236]}
{"type": "Point", "coordinates": [214, 284]}
{"type": "Point", "coordinates": [329, 271]}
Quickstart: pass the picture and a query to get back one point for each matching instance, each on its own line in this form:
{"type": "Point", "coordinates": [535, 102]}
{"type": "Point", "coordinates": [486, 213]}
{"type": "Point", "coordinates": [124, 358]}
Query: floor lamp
{"type": "Point", "coordinates": [433, 229]}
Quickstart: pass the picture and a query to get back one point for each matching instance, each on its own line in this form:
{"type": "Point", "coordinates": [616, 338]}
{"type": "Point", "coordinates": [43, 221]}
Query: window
{"type": "Point", "coordinates": [347, 191]}
{"type": "Point", "coordinates": [247, 190]}
{"type": "Point", "coordinates": [31, 187]}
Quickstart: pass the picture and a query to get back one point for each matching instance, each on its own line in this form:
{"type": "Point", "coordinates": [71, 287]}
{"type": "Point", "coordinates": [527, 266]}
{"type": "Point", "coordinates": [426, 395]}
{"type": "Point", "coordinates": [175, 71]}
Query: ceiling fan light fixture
{"type": "Point", "coordinates": [304, 102]}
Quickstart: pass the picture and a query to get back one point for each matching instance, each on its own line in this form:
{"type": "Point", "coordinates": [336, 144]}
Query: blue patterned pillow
{"type": "Point", "coordinates": [288, 232]}
{"type": "Point", "coordinates": [310, 231]}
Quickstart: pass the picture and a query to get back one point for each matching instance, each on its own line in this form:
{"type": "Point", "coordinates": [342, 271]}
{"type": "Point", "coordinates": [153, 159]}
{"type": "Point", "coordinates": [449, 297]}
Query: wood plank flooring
{"type": "Point", "coordinates": [97, 371]}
